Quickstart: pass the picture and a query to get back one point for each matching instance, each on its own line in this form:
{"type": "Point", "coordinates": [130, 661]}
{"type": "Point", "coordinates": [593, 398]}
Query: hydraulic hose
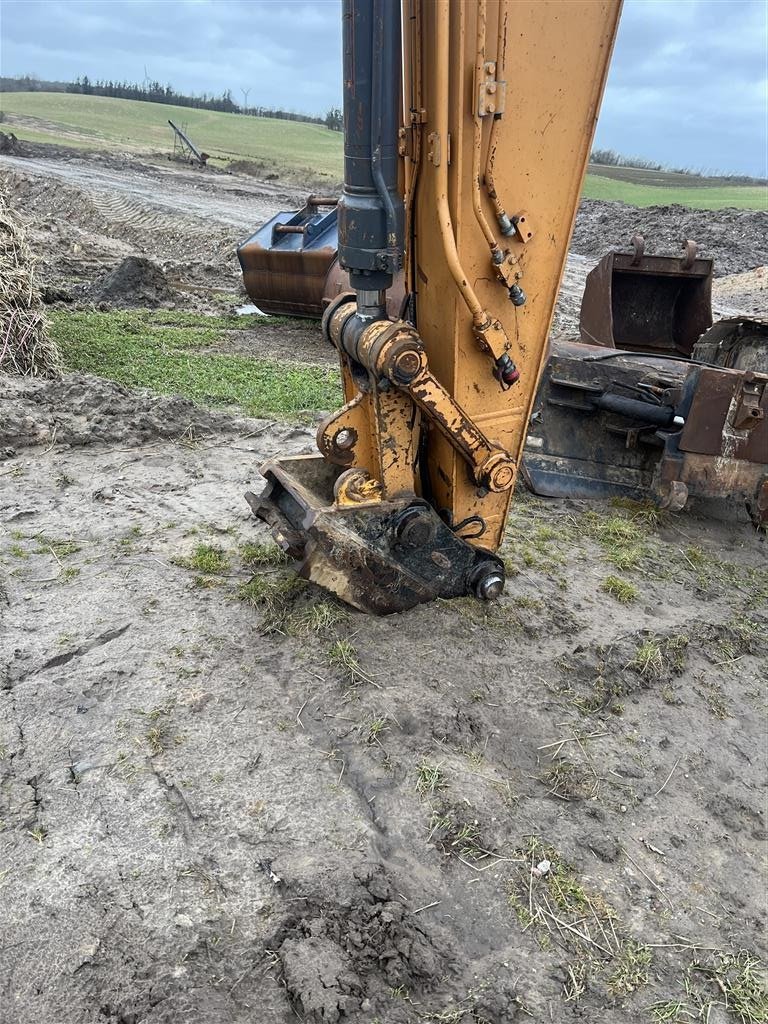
{"type": "Point", "coordinates": [496, 254]}
{"type": "Point", "coordinates": [506, 225]}
{"type": "Point", "coordinates": [445, 223]}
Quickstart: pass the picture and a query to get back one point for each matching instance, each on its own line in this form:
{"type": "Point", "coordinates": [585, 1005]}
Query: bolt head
{"type": "Point", "coordinates": [345, 438]}
{"type": "Point", "coordinates": [488, 582]}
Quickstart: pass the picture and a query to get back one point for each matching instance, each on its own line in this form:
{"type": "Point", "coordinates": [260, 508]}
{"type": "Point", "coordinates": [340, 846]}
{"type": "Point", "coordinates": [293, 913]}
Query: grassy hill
{"type": "Point", "coordinates": [298, 150]}
{"type": "Point", "coordinates": [98, 122]}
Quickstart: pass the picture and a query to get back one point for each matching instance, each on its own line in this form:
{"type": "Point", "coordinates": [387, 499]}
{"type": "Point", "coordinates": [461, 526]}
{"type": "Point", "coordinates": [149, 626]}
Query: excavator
{"type": "Point", "coordinates": [467, 130]}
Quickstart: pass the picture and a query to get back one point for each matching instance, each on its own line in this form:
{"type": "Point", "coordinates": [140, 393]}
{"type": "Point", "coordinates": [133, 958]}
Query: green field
{"type": "Point", "coordinates": [705, 197]}
{"type": "Point", "coordinates": [97, 122]}
{"type": "Point", "coordinates": [297, 150]}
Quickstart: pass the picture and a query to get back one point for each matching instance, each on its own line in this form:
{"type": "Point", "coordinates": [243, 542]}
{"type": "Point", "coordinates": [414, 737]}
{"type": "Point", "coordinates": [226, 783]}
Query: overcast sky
{"type": "Point", "coordinates": [688, 85]}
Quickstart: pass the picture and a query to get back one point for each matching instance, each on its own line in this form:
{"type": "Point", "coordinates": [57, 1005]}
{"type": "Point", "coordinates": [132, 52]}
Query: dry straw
{"type": "Point", "coordinates": [25, 347]}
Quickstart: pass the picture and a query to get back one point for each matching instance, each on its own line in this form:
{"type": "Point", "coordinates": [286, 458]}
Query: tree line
{"type": "Point", "coordinates": [156, 92]}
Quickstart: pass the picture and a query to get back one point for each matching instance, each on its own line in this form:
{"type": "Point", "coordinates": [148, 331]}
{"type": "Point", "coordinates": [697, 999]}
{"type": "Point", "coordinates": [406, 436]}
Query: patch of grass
{"type": "Point", "coordinates": [716, 700]}
{"type": "Point", "coordinates": [623, 538]}
{"type": "Point", "coordinates": [648, 659]}
{"type": "Point", "coordinates": [282, 599]}
{"type": "Point", "coordinates": [567, 780]}
{"type": "Point", "coordinates": [135, 349]}
{"type": "Point", "coordinates": [456, 834]}
{"type": "Point", "coordinates": [206, 558]}
{"type": "Point", "coordinates": [258, 555]}
{"type": "Point", "coordinates": [552, 902]}
{"type": "Point", "coordinates": [343, 656]}
{"type": "Point", "coordinates": [740, 979]}
{"type": "Point", "coordinates": [107, 123]}
{"type": "Point", "coordinates": [531, 544]}
{"type": "Point", "coordinates": [270, 593]}
{"type": "Point", "coordinates": [630, 969]}
{"type": "Point", "coordinates": [656, 657]}
{"type": "Point", "coordinates": [429, 778]}
{"type": "Point", "coordinates": [641, 511]}
{"type": "Point", "coordinates": [668, 1011]}
{"type": "Point", "coordinates": [375, 729]}
{"type": "Point", "coordinates": [58, 547]}
{"type": "Point", "coordinates": [622, 590]}
{"type": "Point", "coordinates": [733, 981]}
{"type": "Point", "coordinates": [745, 197]}
{"type": "Point", "coordinates": [206, 582]}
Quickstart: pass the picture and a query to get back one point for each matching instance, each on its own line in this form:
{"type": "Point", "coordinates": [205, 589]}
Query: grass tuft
{"type": "Point", "coordinates": [206, 559]}
{"type": "Point", "coordinates": [622, 590]}
{"type": "Point", "coordinates": [429, 778]}
{"type": "Point", "coordinates": [258, 555]}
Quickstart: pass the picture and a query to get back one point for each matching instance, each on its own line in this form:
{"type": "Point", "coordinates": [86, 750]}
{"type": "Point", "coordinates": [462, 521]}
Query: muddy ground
{"type": "Point", "coordinates": [226, 798]}
{"type": "Point", "coordinates": [87, 213]}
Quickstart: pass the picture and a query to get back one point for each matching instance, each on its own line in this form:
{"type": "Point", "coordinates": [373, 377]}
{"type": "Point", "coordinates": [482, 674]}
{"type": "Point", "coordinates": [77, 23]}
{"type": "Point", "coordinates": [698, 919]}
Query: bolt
{"type": "Point", "coordinates": [517, 295]}
{"type": "Point", "coordinates": [490, 587]}
{"type": "Point", "coordinates": [487, 581]}
{"type": "Point", "coordinates": [415, 527]}
{"type": "Point", "coordinates": [406, 365]}
{"type": "Point", "coordinates": [491, 87]}
{"type": "Point", "coordinates": [345, 439]}
{"type": "Point", "coordinates": [491, 108]}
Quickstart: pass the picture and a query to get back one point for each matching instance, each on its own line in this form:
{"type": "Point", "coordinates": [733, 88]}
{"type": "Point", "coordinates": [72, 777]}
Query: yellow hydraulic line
{"type": "Point", "coordinates": [443, 43]}
{"type": "Point", "coordinates": [501, 77]}
{"type": "Point", "coordinates": [477, 146]}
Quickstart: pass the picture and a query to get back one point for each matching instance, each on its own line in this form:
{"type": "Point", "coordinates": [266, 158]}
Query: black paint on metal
{"type": "Point", "coordinates": [370, 209]}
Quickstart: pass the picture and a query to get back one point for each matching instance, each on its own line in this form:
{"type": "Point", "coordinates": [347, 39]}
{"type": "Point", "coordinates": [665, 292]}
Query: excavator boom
{"type": "Point", "coordinates": [466, 142]}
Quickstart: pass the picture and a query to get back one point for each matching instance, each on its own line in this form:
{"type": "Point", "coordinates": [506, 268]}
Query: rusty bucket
{"type": "Point", "coordinates": [640, 303]}
{"type": "Point", "coordinates": [286, 262]}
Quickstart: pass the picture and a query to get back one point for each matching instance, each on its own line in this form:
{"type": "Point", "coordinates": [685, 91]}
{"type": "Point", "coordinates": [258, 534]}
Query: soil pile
{"type": "Point", "coordinates": [737, 239]}
{"type": "Point", "coordinates": [136, 281]}
{"type": "Point", "coordinates": [81, 410]}
{"type": "Point", "coordinates": [10, 145]}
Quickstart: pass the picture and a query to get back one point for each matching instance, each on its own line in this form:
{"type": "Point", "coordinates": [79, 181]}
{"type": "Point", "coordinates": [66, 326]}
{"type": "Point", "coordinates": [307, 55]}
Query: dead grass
{"type": "Point", "coordinates": [549, 899]}
{"type": "Point", "coordinates": [25, 347]}
{"type": "Point", "coordinates": [733, 981]}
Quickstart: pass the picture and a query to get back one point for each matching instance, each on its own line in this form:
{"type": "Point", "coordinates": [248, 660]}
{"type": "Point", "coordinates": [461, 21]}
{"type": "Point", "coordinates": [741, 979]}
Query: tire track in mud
{"type": "Point", "coordinates": [117, 192]}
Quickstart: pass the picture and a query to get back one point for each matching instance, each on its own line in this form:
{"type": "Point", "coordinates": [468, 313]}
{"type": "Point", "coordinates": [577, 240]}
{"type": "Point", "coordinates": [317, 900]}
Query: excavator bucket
{"type": "Point", "coordinates": [291, 263]}
{"type": "Point", "coordinates": [678, 408]}
{"type": "Point", "coordinates": [648, 303]}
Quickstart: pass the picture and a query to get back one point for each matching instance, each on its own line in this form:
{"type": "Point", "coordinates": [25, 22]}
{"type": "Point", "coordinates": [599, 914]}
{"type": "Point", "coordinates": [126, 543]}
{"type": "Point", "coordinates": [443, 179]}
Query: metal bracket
{"type": "Point", "coordinates": [749, 411]}
{"type": "Point", "coordinates": [434, 152]}
{"type": "Point", "coordinates": [491, 93]}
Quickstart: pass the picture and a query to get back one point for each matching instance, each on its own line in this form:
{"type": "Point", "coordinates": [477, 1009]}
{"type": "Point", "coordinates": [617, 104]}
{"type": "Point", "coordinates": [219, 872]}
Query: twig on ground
{"type": "Point", "coordinates": [674, 766]}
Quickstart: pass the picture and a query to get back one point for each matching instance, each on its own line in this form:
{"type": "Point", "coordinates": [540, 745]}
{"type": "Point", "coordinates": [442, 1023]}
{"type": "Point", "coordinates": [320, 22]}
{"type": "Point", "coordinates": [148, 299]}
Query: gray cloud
{"type": "Point", "coordinates": [688, 85]}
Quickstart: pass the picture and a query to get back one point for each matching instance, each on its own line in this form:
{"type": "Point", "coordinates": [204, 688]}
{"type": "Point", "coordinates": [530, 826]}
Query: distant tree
{"type": "Point", "coordinates": [334, 120]}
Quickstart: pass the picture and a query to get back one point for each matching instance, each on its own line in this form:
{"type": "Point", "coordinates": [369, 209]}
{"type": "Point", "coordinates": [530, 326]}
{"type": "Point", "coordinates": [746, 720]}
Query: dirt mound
{"type": "Point", "coordinates": [737, 239]}
{"type": "Point", "coordinates": [136, 281]}
{"type": "Point", "coordinates": [341, 958]}
{"type": "Point", "coordinates": [83, 410]}
{"type": "Point", "coordinates": [10, 145]}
